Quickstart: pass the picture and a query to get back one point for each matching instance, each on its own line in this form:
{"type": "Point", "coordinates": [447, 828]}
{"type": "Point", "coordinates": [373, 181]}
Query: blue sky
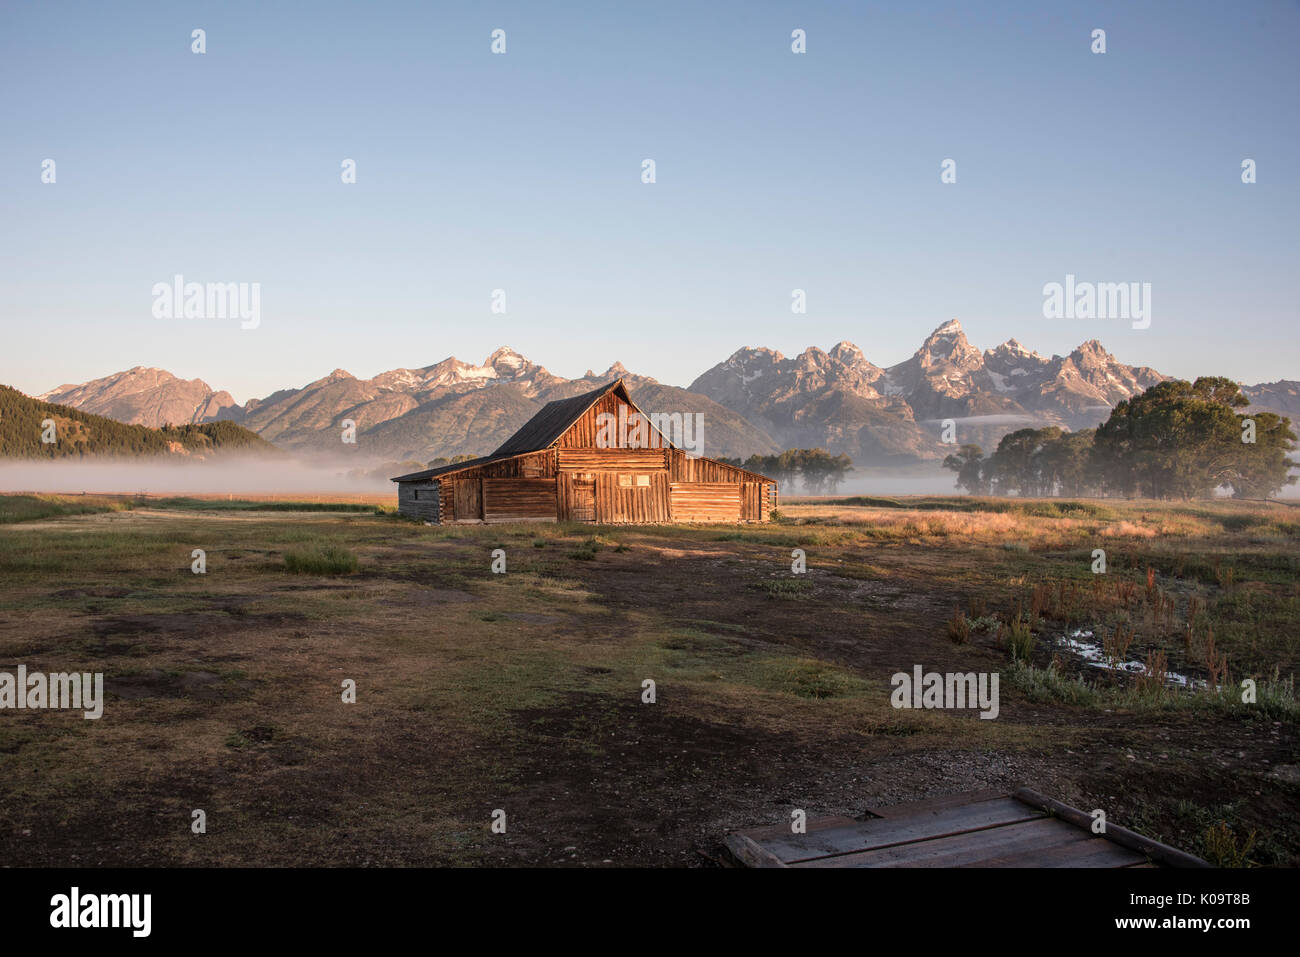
{"type": "Point", "coordinates": [521, 171]}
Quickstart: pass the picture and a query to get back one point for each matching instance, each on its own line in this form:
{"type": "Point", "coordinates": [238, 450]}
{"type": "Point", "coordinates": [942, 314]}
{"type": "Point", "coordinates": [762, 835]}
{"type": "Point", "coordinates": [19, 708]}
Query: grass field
{"type": "Point", "coordinates": [523, 691]}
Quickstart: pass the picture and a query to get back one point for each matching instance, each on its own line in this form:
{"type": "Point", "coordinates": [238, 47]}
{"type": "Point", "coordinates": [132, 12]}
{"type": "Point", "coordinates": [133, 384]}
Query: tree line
{"type": "Point", "coordinates": [817, 470]}
{"type": "Point", "coordinates": [1177, 440]}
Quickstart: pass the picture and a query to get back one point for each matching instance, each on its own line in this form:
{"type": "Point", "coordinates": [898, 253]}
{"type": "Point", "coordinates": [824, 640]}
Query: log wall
{"type": "Point", "coordinates": [419, 500]}
{"type": "Point", "coordinates": [705, 501]}
{"type": "Point", "coordinates": [519, 500]}
{"type": "Point", "coordinates": [626, 460]}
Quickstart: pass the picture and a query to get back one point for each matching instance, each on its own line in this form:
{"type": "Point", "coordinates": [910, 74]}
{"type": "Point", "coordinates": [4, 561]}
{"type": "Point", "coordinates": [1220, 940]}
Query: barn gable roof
{"type": "Point", "coordinates": [537, 434]}
{"type": "Point", "coordinates": [543, 430]}
{"type": "Point", "coordinates": [555, 418]}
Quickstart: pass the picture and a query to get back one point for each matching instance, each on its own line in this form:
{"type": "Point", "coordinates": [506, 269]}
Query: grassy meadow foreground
{"type": "Point", "coordinates": [523, 691]}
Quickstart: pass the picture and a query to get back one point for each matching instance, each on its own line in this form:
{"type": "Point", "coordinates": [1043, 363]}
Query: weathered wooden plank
{"type": "Point", "coordinates": [883, 832]}
{"type": "Point", "coordinates": [625, 460]}
{"type": "Point", "coordinates": [1162, 853]}
{"type": "Point", "coordinates": [468, 498]}
{"type": "Point", "coordinates": [1092, 852]}
{"type": "Point", "coordinates": [959, 850]}
{"type": "Point", "coordinates": [750, 853]}
{"type": "Point", "coordinates": [579, 500]}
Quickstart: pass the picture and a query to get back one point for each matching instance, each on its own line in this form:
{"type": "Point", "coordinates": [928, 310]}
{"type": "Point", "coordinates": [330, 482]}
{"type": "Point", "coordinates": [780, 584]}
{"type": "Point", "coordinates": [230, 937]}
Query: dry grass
{"type": "Point", "coordinates": [478, 691]}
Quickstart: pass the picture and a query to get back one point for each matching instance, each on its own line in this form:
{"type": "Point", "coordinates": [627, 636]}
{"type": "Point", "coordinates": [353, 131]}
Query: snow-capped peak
{"type": "Point", "coordinates": [506, 357]}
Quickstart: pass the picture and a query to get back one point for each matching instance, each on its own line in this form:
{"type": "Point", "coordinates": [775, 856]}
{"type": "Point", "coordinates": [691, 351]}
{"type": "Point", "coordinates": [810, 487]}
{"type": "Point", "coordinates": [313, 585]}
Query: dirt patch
{"type": "Point", "coordinates": [438, 596]}
{"type": "Point", "coordinates": [155, 683]}
{"type": "Point", "coordinates": [65, 593]}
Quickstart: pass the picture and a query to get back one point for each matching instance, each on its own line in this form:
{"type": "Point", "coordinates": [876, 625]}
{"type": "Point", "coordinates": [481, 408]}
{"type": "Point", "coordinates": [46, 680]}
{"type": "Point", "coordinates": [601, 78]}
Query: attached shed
{"type": "Point", "coordinates": [567, 464]}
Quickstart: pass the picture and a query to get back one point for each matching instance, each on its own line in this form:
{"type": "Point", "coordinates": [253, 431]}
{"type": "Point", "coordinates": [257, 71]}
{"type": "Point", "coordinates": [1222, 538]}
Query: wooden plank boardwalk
{"type": "Point", "coordinates": [976, 829]}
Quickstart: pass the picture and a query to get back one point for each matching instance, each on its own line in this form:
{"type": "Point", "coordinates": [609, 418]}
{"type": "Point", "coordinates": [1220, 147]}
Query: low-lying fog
{"type": "Point", "coordinates": [259, 477]}
{"type": "Point", "coordinates": [233, 476]}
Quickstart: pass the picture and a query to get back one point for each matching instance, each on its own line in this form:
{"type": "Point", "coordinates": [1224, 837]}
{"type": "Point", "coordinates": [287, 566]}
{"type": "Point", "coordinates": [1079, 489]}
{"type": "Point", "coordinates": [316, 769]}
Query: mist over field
{"type": "Point", "coordinates": [258, 477]}
{"type": "Point", "coordinates": [924, 480]}
{"type": "Point", "coordinates": [236, 476]}
{"type": "Point", "coordinates": [251, 476]}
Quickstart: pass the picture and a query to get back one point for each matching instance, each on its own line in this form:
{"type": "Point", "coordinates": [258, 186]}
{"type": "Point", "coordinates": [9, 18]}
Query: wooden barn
{"type": "Point", "coordinates": [567, 464]}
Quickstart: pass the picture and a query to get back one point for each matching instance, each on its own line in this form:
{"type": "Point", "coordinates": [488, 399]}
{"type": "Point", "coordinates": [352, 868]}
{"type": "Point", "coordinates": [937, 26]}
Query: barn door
{"type": "Point", "coordinates": [584, 498]}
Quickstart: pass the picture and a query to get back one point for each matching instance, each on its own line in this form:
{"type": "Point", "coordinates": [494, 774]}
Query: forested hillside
{"type": "Point", "coordinates": [27, 425]}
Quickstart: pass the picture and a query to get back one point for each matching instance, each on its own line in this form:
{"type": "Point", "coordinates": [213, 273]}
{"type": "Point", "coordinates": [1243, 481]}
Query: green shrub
{"type": "Point", "coordinates": [788, 589]}
{"type": "Point", "coordinates": [586, 552]}
{"type": "Point", "coordinates": [807, 678]}
{"type": "Point", "coordinates": [1221, 848]}
{"type": "Point", "coordinates": [1020, 639]}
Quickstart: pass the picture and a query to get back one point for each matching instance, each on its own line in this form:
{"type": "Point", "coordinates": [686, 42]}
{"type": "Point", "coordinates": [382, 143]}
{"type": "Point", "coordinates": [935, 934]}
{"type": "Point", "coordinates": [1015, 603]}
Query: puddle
{"type": "Point", "coordinates": [1082, 644]}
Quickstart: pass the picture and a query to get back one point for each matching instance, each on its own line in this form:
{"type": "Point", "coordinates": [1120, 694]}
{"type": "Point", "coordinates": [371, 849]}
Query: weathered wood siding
{"type": "Point", "coordinates": [583, 434]}
{"type": "Point", "coordinates": [468, 498]}
{"type": "Point", "coordinates": [576, 496]}
{"type": "Point", "coordinates": [535, 465]}
{"type": "Point", "coordinates": [705, 501]}
{"type": "Point", "coordinates": [626, 460]}
{"type": "Point", "coordinates": [683, 468]}
{"type": "Point", "coordinates": [519, 500]}
{"type": "Point", "coordinates": [419, 500]}
{"type": "Point", "coordinates": [618, 505]}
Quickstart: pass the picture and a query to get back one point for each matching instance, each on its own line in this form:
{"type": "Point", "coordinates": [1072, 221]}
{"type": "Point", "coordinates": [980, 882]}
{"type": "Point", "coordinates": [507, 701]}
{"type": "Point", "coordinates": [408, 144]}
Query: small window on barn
{"type": "Point", "coordinates": [643, 481]}
{"type": "Point", "coordinates": [625, 481]}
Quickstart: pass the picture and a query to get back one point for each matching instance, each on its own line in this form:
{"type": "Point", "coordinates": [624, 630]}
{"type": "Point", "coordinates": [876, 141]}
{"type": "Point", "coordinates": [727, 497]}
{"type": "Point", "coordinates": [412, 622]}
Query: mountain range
{"type": "Point", "coordinates": [756, 401]}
